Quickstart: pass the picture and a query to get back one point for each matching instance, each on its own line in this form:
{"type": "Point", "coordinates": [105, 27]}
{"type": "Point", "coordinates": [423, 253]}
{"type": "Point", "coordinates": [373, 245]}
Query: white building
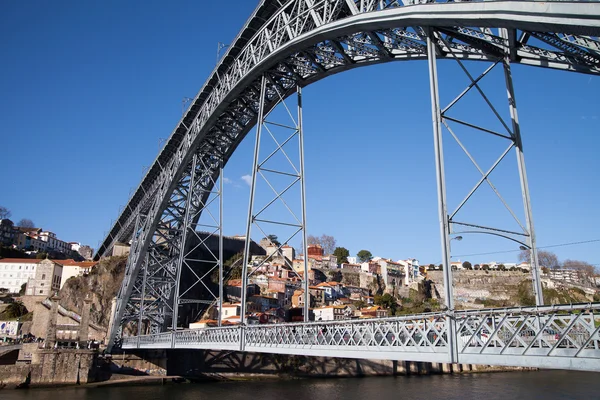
{"type": "Point", "coordinates": [411, 269]}
{"type": "Point", "coordinates": [14, 272]}
{"type": "Point", "coordinates": [54, 243]}
{"type": "Point", "coordinates": [231, 310]}
{"type": "Point", "coordinates": [73, 268]}
{"type": "Point", "coordinates": [330, 313]}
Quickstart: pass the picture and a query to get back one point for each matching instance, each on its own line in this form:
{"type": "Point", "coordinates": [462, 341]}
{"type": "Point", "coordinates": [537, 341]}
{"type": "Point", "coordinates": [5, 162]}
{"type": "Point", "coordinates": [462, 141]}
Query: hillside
{"type": "Point", "coordinates": [477, 289]}
{"type": "Point", "coordinates": [102, 285]}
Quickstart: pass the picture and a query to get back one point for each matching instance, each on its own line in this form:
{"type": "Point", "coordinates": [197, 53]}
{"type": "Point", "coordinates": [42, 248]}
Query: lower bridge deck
{"type": "Point", "coordinates": [561, 337]}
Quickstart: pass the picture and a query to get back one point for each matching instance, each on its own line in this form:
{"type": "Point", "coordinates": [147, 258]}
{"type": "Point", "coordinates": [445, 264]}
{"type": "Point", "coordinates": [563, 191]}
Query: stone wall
{"type": "Point", "coordinates": [16, 375]}
{"type": "Point", "coordinates": [472, 285]}
{"type": "Point", "coordinates": [54, 368]}
{"type": "Point", "coordinates": [39, 324]}
{"type": "Point", "coordinates": [149, 362]}
{"type": "Point", "coordinates": [66, 366]}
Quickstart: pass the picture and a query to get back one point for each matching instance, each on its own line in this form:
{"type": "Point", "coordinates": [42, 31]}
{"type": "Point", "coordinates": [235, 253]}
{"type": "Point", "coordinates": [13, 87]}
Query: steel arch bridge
{"type": "Point", "coordinates": [284, 46]}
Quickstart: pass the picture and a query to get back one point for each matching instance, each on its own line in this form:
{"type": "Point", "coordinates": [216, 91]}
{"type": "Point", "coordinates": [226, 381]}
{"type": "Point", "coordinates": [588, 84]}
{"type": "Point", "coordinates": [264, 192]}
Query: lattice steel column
{"type": "Point", "coordinates": [512, 104]}
{"type": "Point", "coordinates": [186, 225]}
{"type": "Point", "coordinates": [260, 118]}
{"type": "Point", "coordinates": [508, 132]}
{"type": "Point", "coordinates": [441, 190]}
{"type": "Point", "coordinates": [288, 173]}
{"type": "Point", "coordinates": [204, 212]}
{"type": "Point", "coordinates": [144, 273]}
{"type": "Point", "coordinates": [303, 195]}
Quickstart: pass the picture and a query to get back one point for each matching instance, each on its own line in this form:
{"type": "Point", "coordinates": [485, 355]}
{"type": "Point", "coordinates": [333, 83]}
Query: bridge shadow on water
{"type": "Point", "coordinates": [227, 364]}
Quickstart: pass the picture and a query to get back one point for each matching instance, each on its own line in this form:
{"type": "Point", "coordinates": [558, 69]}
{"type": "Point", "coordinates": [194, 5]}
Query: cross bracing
{"type": "Point", "coordinates": [292, 44]}
{"type": "Point", "coordinates": [566, 36]}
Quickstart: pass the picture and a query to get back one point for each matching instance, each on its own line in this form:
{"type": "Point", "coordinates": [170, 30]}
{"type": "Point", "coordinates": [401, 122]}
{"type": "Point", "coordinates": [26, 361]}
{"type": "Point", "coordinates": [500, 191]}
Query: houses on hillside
{"type": "Point", "coordinates": [39, 240]}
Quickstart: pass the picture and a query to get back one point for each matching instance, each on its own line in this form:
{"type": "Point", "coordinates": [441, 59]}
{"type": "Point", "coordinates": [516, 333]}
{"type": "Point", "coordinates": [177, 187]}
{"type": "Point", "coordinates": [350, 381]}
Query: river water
{"type": "Point", "coordinates": [546, 385]}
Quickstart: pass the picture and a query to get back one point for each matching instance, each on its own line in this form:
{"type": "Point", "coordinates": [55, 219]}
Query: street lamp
{"type": "Point", "coordinates": [220, 46]}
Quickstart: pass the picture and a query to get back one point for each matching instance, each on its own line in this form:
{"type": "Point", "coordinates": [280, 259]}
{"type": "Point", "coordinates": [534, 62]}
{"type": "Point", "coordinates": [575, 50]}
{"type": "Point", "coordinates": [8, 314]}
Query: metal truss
{"type": "Point", "coordinates": [511, 133]}
{"type": "Point", "coordinates": [280, 178]}
{"type": "Point", "coordinates": [152, 296]}
{"type": "Point", "coordinates": [573, 46]}
{"type": "Point", "coordinates": [295, 43]}
{"type": "Point", "coordinates": [564, 337]}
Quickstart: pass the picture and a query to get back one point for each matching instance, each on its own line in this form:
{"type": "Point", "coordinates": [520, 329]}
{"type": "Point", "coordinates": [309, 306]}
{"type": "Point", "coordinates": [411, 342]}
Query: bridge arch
{"type": "Point", "coordinates": [298, 42]}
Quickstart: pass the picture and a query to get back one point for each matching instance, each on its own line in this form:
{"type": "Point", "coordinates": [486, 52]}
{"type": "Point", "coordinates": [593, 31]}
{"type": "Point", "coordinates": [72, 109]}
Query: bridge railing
{"type": "Point", "coordinates": [562, 331]}
{"type": "Point", "coordinates": [426, 332]}
{"type": "Point", "coordinates": [222, 337]}
{"type": "Point", "coordinates": [565, 336]}
{"type": "Point", "coordinates": [156, 341]}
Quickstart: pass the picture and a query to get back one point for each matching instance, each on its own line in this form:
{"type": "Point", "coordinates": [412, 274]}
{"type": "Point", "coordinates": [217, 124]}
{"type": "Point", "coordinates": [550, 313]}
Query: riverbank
{"type": "Point", "coordinates": [20, 376]}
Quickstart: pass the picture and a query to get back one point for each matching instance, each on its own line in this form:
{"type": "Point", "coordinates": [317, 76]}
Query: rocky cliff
{"type": "Point", "coordinates": [477, 289]}
{"type": "Point", "coordinates": [101, 285]}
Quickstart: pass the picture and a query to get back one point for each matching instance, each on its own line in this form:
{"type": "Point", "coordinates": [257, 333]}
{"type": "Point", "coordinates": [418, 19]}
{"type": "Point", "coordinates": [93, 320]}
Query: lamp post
{"type": "Point", "coordinates": [220, 46]}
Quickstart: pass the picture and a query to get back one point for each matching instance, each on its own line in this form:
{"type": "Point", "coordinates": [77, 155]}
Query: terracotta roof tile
{"type": "Point", "coordinates": [20, 260]}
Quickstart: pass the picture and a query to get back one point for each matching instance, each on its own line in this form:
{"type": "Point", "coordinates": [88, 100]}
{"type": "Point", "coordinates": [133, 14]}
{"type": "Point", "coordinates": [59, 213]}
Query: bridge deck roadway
{"type": "Point", "coordinates": [562, 337]}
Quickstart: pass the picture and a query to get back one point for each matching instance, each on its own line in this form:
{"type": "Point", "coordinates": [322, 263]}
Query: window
{"type": "Point", "coordinates": [43, 276]}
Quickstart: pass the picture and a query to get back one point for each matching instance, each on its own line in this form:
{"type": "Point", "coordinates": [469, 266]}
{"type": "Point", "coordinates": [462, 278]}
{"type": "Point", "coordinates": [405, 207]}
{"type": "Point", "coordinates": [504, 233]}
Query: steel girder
{"type": "Point", "coordinates": [564, 337]}
{"type": "Point", "coordinates": [295, 43]}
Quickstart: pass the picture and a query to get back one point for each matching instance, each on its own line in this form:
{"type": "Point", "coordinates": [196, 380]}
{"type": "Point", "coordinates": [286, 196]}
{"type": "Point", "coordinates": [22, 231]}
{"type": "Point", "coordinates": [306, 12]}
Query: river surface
{"type": "Point", "coordinates": [546, 385]}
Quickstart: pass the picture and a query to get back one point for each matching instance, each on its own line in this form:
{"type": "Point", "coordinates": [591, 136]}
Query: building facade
{"type": "Point", "coordinates": [73, 268]}
{"type": "Point", "coordinates": [47, 279]}
{"type": "Point", "coordinates": [14, 272]}
{"type": "Point", "coordinates": [7, 232]}
{"type": "Point", "coordinates": [54, 243]}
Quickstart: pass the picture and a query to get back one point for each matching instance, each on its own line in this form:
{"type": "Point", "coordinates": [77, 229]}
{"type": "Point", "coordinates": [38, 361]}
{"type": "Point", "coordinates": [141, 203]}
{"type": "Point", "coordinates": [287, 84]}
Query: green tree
{"type": "Point", "coordinates": [342, 254]}
{"type": "Point", "coordinates": [501, 267]}
{"type": "Point", "coordinates": [387, 301]}
{"type": "Point", "coordinates": [485, 267]}
{"type": "Point", "coordinates": [364, 255]}
{"type": "Point", "coordinates": [525, 294]}
{"type": "Point", "coordinates": [15, 310]}
{"type": "Point", "coordinates": [467, 265]}
{"type": "Point", "coordinates": [360, 304]}
{"type": "Point", "coordinates": [273, 239]}
{"type": "Point", "coordinates": [22, 290]}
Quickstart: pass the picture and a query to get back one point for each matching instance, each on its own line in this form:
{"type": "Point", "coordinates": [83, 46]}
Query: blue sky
{"type": "Point", "coordinates": [88, 90]}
